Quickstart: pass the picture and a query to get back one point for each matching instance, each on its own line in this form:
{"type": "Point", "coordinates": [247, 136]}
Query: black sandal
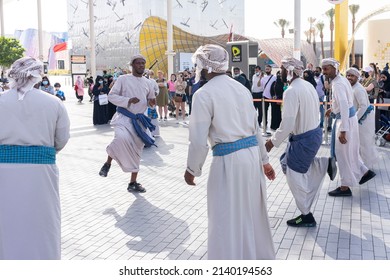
{"type": "Point", "coordinates": [136, 187]}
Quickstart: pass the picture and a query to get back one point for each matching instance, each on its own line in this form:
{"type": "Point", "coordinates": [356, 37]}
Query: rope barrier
{"type": "Point", "coordinates": [281, 101]}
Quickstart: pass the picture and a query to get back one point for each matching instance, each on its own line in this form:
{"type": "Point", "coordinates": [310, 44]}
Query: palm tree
{"type": "Point", "coordinates": [353, 9]}
{"type": "Point", "coordinates": [330, 14]}
{"type": "Point", "coordinates": [320, 27]}
{"type": "Point", "coordinates": [307, 33]}
{"type": "Point", "coordinates": [283, 24]}
{"type": "Point", "coordinates": [311, 21]}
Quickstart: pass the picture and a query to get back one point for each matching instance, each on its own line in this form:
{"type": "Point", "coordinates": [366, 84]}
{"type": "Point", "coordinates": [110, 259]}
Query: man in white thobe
{"type": "Point", "coordinates": [223, 112]}
{"type": "Point", "coordinates": [131, 93]}
{"type": "Point", "coordinates": [345, 132]}
{"type": "Point", "coordinates": [300, 122]}
{"type": "Point", "coordinates": [366, 119]}
{"type": "Point", "coordinates": [34, 127]}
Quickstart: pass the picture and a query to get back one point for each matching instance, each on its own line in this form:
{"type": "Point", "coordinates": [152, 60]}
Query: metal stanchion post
{"type": "Point", "coordinates": [263, 112]}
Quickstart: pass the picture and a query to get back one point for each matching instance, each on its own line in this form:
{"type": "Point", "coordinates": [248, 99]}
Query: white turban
{"type": "Point", "coordinates": [368, 69]}
{"type": "Point", "coordinates": [137, 56]}
{"type": "Point", "coordinates": [292, 65]}
{"type": "Point", "coordinates": [25, 73]}
{"type": "Point", "coordinates": [214, 58]}
{"type": "Point", "coordinates": [332, 62]}
{"type": "Point", "coordinates": [353, 71]}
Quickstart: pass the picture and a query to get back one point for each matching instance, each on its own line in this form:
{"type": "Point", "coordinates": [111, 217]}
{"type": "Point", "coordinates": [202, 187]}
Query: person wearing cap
{"type": "Point", "coordinates": [132, 94]}
{"type": "Point", "coordinates": [301, 124]}
{"type": "Point", "coordinates": [369, 83]}
{"type": "Point", "coordinates": [345, 133]}
{"type": "Point", "coordinates": [366, 119]}
{"type": "Point", "coordinates": [34, 129]}
{"type": "Point", "coordinates": [238, 225]}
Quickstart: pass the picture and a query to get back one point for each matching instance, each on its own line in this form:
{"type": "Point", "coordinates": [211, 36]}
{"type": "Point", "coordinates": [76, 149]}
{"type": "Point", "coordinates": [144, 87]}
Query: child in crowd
{"type": "Point", "coordinates": [58, 92]}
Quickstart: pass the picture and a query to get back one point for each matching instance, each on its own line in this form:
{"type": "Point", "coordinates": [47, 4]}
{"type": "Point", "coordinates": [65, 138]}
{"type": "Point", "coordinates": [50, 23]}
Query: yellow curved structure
{"type": "Point", "coordinates": [153, 42]}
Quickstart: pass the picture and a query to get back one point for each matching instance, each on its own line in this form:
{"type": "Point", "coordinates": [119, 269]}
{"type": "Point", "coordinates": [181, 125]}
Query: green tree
{"type": "Point", "coordinates": [10, 50]}
{"type": "Point", "coordinates": [283, 24]}
{"type": "Point", "coordinates": [330, 14]}
{"type": "Point", "coordinates": [353, 9]}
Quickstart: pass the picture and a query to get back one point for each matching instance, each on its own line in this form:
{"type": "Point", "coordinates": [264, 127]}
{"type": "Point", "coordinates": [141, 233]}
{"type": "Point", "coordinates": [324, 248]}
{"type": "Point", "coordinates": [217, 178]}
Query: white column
{"type": "Point", "coordinates": [297, 29]}
{"type": "Point", "coordinates": [40, 32]}
{"type": "Point", "coordinates": [92, 39]}
{"type": "Point", "coordinates": [2, 18]}
{"type": "Point", "coordinates": [170, 52]}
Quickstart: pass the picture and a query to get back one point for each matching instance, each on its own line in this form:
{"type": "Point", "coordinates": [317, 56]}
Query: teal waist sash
{"type": "Point", "coordinates": [223, 149]}
{"type": "Point", "coordinates": [27, 154]}
{"type": "Point", "coordinates": [337, 116]}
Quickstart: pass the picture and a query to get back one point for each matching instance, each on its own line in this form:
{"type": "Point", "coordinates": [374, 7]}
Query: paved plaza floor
{"type": "Point", "coordinates": [101, 220]}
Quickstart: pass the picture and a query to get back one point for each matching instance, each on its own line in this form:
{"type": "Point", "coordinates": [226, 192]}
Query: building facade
{"type": "Point", "coordinates": [118, 24]}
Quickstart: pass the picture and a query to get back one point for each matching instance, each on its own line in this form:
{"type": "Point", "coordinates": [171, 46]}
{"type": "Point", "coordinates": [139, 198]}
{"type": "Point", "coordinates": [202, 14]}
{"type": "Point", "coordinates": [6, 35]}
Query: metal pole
{"type": "Point", "coordinates": [2, 17]}
{"type": "Point", "coordinates": [170, 53]}
{"type": "Point", "coordinates": [92, 39]}
{"type": "Point", "coordinates": [40, 32]}
{"type": "Point", "coordinates": [297, 29]}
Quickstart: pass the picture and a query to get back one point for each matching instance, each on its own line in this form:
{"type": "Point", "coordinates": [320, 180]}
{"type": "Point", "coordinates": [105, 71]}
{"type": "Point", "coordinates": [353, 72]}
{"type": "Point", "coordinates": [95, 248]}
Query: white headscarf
{"type": "Point", "coordinates": [25, 73]}
{"type": "Point", "coordinates": [137, 56]}
{"type": "Point", "coordinates": [332, 62]}
{"type": "Point", "coordinates": [214, 58]}
{"type": "Point", "coordinates": [292, 65]}
{"type": "Point", "coordinates": [353, 71]}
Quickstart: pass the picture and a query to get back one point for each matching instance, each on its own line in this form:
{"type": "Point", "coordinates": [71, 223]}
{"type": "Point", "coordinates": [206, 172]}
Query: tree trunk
{"type": "Point", "coordinates": [322, 45]}
{"type": "Point", "coordinates": [331, 38]}
{"type": "Point", "coordinates": [353, 40]}
{"type": "Point", "coordinates": [283, 32]}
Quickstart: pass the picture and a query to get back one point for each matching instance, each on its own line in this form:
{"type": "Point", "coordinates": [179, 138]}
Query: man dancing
{"type": "Point", "coordinates": [238, 226]}
{"type": "Point", "coordinates": [300, 122]}
{"type": "Point", "coordinates": [345, 132]}
{"type": "Point", "coordinates": [131, 93]}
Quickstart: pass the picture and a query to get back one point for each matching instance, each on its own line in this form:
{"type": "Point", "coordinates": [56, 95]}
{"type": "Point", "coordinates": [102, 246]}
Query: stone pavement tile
{"type": "Point", "coordinates": [343, 254]}
{"type": "Point", "coordinates": [172, 216]}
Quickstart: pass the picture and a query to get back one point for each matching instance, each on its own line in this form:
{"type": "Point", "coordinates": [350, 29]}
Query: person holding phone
{"type": "Point", "coordinates": [132, 94]}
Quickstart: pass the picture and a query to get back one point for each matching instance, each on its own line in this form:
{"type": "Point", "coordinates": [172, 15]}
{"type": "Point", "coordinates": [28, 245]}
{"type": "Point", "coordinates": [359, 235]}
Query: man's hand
{"type": "Point", "coordinates": [269, 171]}
{"type": "Point", "coordinates": [327, 113]}
{"type": "Point", "coordinates": [189, 178]}
{"type": "Point", "coordinates": [269, 145]}
{"type": "Point", "coordinates": [152, 102]}
{"type": "Point", "coordinates": [342, 138]}
{"type": "Point", "coordinates": [132, 100]}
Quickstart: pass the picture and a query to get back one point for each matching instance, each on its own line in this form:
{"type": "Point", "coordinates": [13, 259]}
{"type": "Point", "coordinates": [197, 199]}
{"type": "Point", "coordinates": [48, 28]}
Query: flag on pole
{"type": "Point", "coordinates": [230, 38]}
{"type": "Point", "coordinates": [60, 47]}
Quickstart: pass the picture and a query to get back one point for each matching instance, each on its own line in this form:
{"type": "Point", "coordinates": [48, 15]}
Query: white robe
{"type": "Point", "coordinates": [126, 147]}
{"type": "Point", "coordinates": [300, 114]}
{"type": "Point", "coordinates": [351, 167]}
{"type": "Point", "coordinates": [30, 214]}
{"type": "Point", "coordinates": [223, 112]}
{"type": "Point", "coordinates": [368, 150]}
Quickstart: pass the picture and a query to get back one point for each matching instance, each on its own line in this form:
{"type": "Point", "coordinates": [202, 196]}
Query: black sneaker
{"type": "Point", "coordinates": [339, 192]}
{"type": "Point", "coordinates": [303, 221]}
{"type": "Point", "coordinates": [104, 170]}
{"type": "Point", "coordinates": [366, 177]}
{"type": "Point", "coordinates": [136, 187]}
{"type": "Point", "coordinates": [332, 168]}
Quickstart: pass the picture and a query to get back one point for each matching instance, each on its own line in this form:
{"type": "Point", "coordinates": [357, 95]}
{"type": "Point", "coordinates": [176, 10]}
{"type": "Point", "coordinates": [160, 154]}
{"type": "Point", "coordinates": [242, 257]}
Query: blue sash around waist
{"type": "Point", "coordinates": [136, 119]}
{"type": "Point", "coordinates": [369, 109]}
{"type": "Point", "coordinates": [223, 149]}
{"type": "Point", "coordinates": [337, 116]}
{"type": "Point", "coordinates": [27, 154]}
